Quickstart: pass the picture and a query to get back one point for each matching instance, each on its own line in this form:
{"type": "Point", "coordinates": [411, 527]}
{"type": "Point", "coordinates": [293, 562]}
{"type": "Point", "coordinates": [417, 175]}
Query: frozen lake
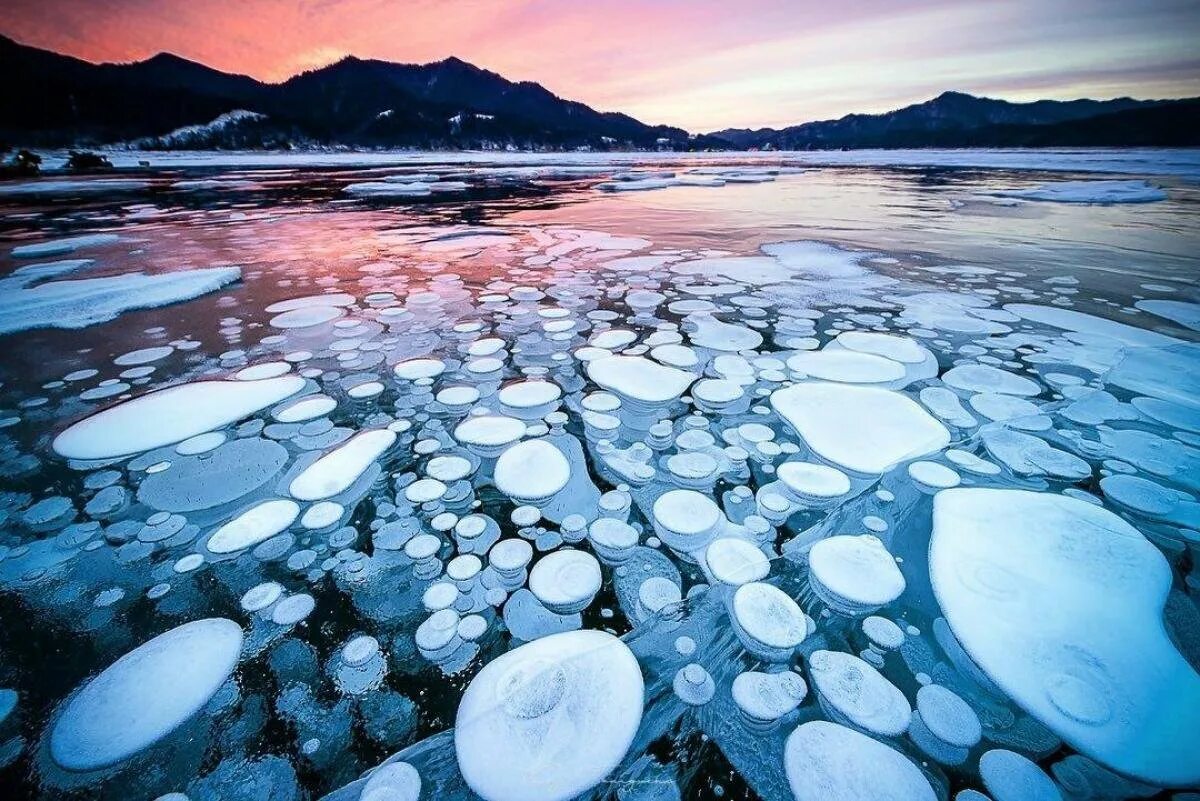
{"type": "Point", "coordinates": [829, 477]}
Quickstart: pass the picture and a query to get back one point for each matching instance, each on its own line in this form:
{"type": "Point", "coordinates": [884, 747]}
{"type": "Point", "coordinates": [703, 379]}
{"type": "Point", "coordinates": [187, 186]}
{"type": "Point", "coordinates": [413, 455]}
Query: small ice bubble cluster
{"type": "Point", "coordinates": [546, 507]}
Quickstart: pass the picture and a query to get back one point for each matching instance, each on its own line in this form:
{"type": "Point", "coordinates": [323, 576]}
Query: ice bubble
{"type": "Point", "coordinates": [338, 469]}
{"type": "Point", "coordinates": [679, 356]}
{"type": "Point", "coordinates": [549, 720]}
{"type": "Point", "coordinates": [933, 476]}
{"type": "Point", "coordinates": [448, 468]}
{"type": "Point", "coordinates": [765, 697]}
{"type": "Point", "coordinates": [395, 781]}
{"type": "Point", "coordinates": [693, 685]}
{"type": "Point", "coordinates": [306, 408]}
{"type": "Point", "coordinates": [1019, 573]}
{"type": "Point", "coordinates": [639, 379]}
{"type": "Point", "coordinates": [144, 356]}
{"type": "Point", "coordinates": [897, 348]}
{"type": "Point", "coordinates": [846, 366]}
{"type": "Point", "coordinates": [854, 574]}
{"type": "Point", "coordinates": [807, 480]}
{"type": "Point", "coordinates": [1009, 776]}
{"type": "Point", "coordinates": [863, 429]}
{"type": "Point", "coordinates": [169, 416]}
{"type": "Point", "coordinates": [510, 556]}
{"type": "Point", "coordinates": [828, 762]}
{"type": "Point", "coordinates": [612, 538]}
{"type": "Point", "coordinates": [530, 398]}
{"type": "Point", "coordinates": [322, 515]}
{"type": "Point", "coordinates": [566, 580]}
{"type": "Point", "coordinates": [424, 490]}
{"type": "Point", "coordinates": [359, 650]}
{"type": "Point", "coordinates": [855, 693]}
{"type": "Point", "coordinates": [261, 596]}
{"type": "Point", "coordinates": [201, 443]}
{"type": "Point", "coordinates": [735, 561]}
{"type": "Point", "coordinates": [985, 378]}
{"type": "Point", "coordinates": [883, 633]}
{"type": "Point", "coordinates": [255, 525]}
{"type": "Point", "coordinates": [532, 471]}
{"type": "Point", "coordinates": [145, 695]}
{"type": "Point", "coordinates": [767, 621]}
{"type": "Point", "coordinates": [685, 519]}
{"type": "Point", "coordinates": [293, 609]}
{"type": "Point", "coordinates": [948, 717]}
{"type": "Point", "coordinates": [367, 389]}
{"type": "Point", "coordinates": [489, 434]}
{"type": "Point", "coordinates": [265, 370]}
{"type": "Point", "coordinates": [415, 369]}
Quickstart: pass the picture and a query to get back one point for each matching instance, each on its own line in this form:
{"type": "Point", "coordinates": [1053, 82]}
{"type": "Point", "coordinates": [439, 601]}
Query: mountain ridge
{"type": "Point", "coordinates": [958, 119]}
{"type": "Point", "coordinates": [354, 101]}
{"type": "Point", "coordinates": [453, 104]}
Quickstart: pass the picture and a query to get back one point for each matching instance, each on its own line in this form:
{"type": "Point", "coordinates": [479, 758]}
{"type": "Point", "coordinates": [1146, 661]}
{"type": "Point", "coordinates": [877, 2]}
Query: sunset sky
{"type": "Point", "coordinates": [697, 64]}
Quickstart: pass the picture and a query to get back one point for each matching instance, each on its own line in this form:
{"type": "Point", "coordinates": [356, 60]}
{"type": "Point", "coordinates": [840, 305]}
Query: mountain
{"type": "Point", "coordinates": [955, 119]}
{"type": "Point", "coordinates": [167, 100]}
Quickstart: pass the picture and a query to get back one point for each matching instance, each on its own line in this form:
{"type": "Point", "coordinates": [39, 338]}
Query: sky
{"type": "Point", "coordinates": [698, 64]}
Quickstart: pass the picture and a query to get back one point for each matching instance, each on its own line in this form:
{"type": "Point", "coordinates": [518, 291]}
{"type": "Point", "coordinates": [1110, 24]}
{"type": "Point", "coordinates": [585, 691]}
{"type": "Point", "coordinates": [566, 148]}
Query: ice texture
{"type": "Point", "coordinates": [1060, 602]}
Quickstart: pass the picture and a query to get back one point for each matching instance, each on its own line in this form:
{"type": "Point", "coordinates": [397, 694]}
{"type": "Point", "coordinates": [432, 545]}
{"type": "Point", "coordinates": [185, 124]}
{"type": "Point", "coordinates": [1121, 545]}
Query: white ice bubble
{"type": "Point", "coordinates": [549, 720]}
{"type": "Point", "coordinates": [639, 379]}
{"type": "Point", "coordinates": [335, 471]}
{"type": "Point", "coordinates": [863, 429]}
{"type": "Point", "coordinates": [828, 762]}
{"type": "Point", "coordinates": [169, 416]}
{"type": "Point", "coordinates": [256, 524]}
{"type": "Point", "coordinates": [532, 471]}
{"type": "Point", "coordinates": [146, 694]}
{"type": "Point", "coordinates": [566, 580]}
{"type": "Point", "coordinates": [854, 574]}
{"type": "Point", "coordinates": [1022, 577]}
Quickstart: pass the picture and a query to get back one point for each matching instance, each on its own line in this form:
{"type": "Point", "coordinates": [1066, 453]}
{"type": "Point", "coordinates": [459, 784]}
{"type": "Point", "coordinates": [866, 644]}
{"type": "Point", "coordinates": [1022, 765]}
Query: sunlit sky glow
{"type": "Point", "coordinates": [694, 63]}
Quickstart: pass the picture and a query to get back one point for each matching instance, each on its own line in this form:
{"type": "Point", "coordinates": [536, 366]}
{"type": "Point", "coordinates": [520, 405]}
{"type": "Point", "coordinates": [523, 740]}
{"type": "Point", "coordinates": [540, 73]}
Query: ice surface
{"type": "Point", "coordinates": [1060, 602]}
{"type": "Point", "coordinates": [1186, 314]}
{"type": "Point", "coordinates": [480, 436]}
{"type": "Point", "coordinates": [1091, 192]}
{"type": "Point", "coordinates": [87, 301]}
{"type": "Point", "coordinates": [57, 247]}
{"type": "Point", "coordinates": [145, 695]}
